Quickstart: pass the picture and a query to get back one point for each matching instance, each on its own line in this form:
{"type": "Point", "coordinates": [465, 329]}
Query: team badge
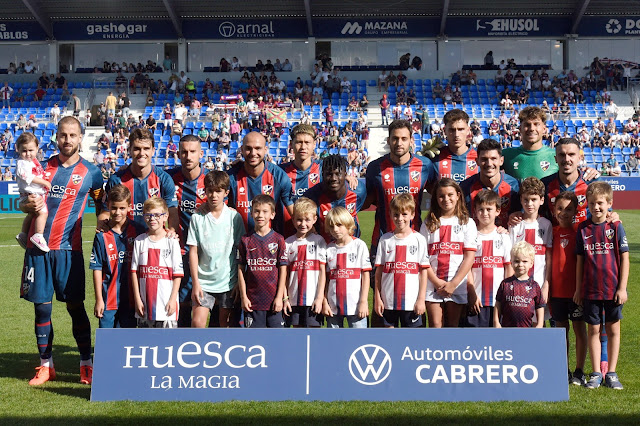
{"type": "Point", "coordinates": [267, 189]}
{"type": "Point", "coordinates": [352, 257]}
{"type": "Point", "coordinates": [314, 178]}
{"type": "Point", "coordinates": [415, 176]}
{"type": "Point", "coordinates": [564, 242]}
{"type": "Point", "coordinates": [311, 248]}
{"type": "Point", "coordinates": [582, 200]}
{"type": "Point", "coordinates": [153, 192]}
{"type": "Point", "coordinates": [351, 208]}
{"type": "Point", "coordinates": [497, 244]}
{"type": "Point", "coordinates": [76, 179]}
{"type": "Point", "coordinates": [200, 192]}
{"type": "Point", "coordinates": [540, 233]}
{"type": "Point", "coordinates": [511, 287]}
{"type": "Point", "coordinates": [544, 165]}
{"type": "Point", "coordinates": [609, 233]}
{"type": "Point", "coordinates": [457, 229]}
{"type": "Point", "coordinates": [273, 247]}
{"type": "Point", "coordinates": [131, 240]}
{"type": "Point", "coordinates": [166, 253]}
{"type": "Point", "coordinates": [528, 288]}
{"type": "Point", "coordinates": [504, 202]}
{"type": "Point", "coordinates": [413, 249]}
{"type": "Point", "coordinates": [471, 165]}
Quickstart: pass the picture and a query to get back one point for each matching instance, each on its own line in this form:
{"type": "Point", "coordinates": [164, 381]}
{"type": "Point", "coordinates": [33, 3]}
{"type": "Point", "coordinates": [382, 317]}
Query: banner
{"type": "Point", "coordinates": [330, 365]}
{"type": "Point", "coordinates": [382, 27]}
{"type": "Point", "coordinates": [620, 184]}
{"type": "Point", "coordinates": [504, 26]}
{"type": "Point", "coordinates": [113, 30]}
{"type": "Point", "coordinates": [609, 26]}
{"type": "Point", "coordinates": [245, 29]}
{"type": "Point", "coordinates": [11, 31]}
{"type": "Point", "coordinates": [10, 199]}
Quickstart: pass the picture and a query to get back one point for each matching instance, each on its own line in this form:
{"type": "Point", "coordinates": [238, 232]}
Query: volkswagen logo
{"type": "Point", "coordinates": [370, 364]}
{"type": "Point", "coordinates": [227, 29]}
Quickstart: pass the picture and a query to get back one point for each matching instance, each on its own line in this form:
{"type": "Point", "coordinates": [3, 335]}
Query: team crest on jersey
{"type": "Point", "coordinates": [131, 240]}
{"type": "Point", "coordinates": [528, 288]}
{"type": "Point", "coordinates": [609, 233]}
{"type": "Point", "coordinates": [76, 179]}
{"type": "Point", "coordinates": [504, 202]}
{"type": "Point", "coordinates": [352, 257]}
{"type": "Point", "coordinates": [582, 200]}
{"type": "Point", "coordinates": [153, 192]}
{"type": "Point", "coordinates": [497, 244]}
{"type": "Point", "coordinates": [166, 253]}
{"type": "Point", "coordinates": [200, 192]}
{"type": "Point", "coordinates": [413, 249]}
{"type": "Point", "coordinates": [457, 229]}
{"type": "Point", "coordinates": [272, 247]}
{"type": "Point", "coordinates": [351, 208]}
{"type": "Point", "coordinates": [311, 248]}
{"type": "Point", "coordinates": [540, 233]}
{"type": "Point", "coordinates": [564, 242]}
{"type": "Point", "coordinates": [267, 189]}
{"type": "Point", "coordinates": [544, 165]}
{"type": "Point", "coordinates": [511, 287]}
{"type": "Point", "coordinates": [415, 176]}
{"type": "Point", "coordinates": [471, 165]}
{"type": "Point", "coordinates": [314, 178]}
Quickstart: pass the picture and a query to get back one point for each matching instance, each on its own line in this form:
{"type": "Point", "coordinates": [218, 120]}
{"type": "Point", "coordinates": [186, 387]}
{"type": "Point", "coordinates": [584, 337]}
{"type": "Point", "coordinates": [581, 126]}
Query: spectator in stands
{"type": "Point", "coordinates": [345, 86]}
{"type": "Point", "coordinates": [32, 124]}
{"type": "Point", "coordinates": [401, 80]}
{"type": "Point", "coordinates": [436, 128]}
{"type": "Point", "coordinates": [6, 138]}
{"type": "Point", "coordinates": [55, 113]}
{"type": "Point", "coordinates": [7, 175]}
{"type": "Point", "coordinates": [632, 164]}
{"type": "Point", "coordinates": [131, 122]}
{"type": "Point", "coordinates": [382, 80]}
{"type": "Point", "coordinates": [328, 113]}
{"type": "Point", "coordinates": [488, 60]}
{"type": "Point", "coordinates": [167, 64]}
{"type": "Point", "coordinates": [287, 66]}
{"type": "Point", "coordinates": [203, 133]}
{"type": "Point", "coordinates": [176, 128]}
{"type": "Point", "coordinates": [392, 80]}
{"type": "Point", "coordinates": [29, 68]}
{"type": "Point", "coordinates": [195, 108]}
{"type": "Point", "coordinates": [437, 91]}
{"type": "Point", "coordinates": [12, 69]}
{"type": "Point", "coordinates": [611, 110]}
{"type": "Point", "coordinates": [5, 92]}
{"type": "Point", "coordinates": [172, 150]}
{"type": "Point", "coordinates": [98, 157]}
{"type": "Point", "coordinates": [21, 124]}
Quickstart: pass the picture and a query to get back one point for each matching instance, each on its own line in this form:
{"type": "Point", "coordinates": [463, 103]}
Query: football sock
{"type": "Point", "coordinates": [81, 329]}
{"type": "Point", "coordinates": [84, 362]}
{"type": "Point", "coordinates": [46, 362]}
{"type": "Point", "coordinates": [43, 329]}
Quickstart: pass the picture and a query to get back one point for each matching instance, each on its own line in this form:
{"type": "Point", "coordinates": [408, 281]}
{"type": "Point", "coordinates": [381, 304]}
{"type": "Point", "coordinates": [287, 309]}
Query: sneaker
{"type": "Point", "coordinates": [595, 379]}
{"type": "Point", "coordinates": [86, 374]}
{"type": "Point", "coordinates": [578, 378]}
{"type": "Point", "coordinates": [43, 374]}
{"type": "Point", "coordinates": [21, 238]}
{"type": "Point", "coordinates": [39, 242]}
{"type": "Point", "coordinates": [611, 381]}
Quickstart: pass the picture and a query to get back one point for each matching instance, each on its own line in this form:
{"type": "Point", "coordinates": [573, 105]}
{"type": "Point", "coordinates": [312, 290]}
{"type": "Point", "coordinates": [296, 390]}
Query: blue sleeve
{"type": "Point", "coordinates": [233, 188]}
{"type": "Point", "coordinates": [113, 181]}
{"type": "Point", "coordinates": [284, 183]}
{"type": "Point", "coordinates": [168, 190]}
{"type": "Point", "coordinates": [96, 261]}
{"type": "Point", "coordinates": [623, 245]}
{"type": "Point", "coordinates": [361, 193]}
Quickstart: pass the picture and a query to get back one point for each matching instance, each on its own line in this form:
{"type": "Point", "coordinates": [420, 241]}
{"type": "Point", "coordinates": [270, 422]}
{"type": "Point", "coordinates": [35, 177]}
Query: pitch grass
{"type": "Point", "coordinates": [65, 400]}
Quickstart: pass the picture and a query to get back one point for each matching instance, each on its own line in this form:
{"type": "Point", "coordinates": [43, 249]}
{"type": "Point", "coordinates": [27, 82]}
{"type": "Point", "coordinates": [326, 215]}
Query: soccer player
{"type": "Point", "coordinates": [62, 268]}
{"type": "Point", "coordinates": [334, 191]}
{"type": "Point", "coordinates": [188, 179]}
{"type": "Point", "coordinates": [213, 240]}
{"type": "Point", "coordinates": [156, 270]}
{"type": "Point", "coordinates": [492, 260]}
{"type": "Point", "coordinates": [537, 231]}
{"type": "Point", "coordinates": [307, 255]}
{"type": "Point", "coordinates": [490, 160]}
{"type": "Point", "coordinates": [457, 160]}
{"type": "Point", "coordinates": [602, 272]}
{"type": "Point", "coordinates": [563, 280]}
{"type": "Point", "coordinates": [348, 268]}
{"type": "Point", "coordinates": [255, 176]}
{"type": "Point", "coordinates": [143, 180]}
{"type": "Point", "coordinates": [519, 299]}
{"type": "Point", "coordinates": [401, 269]}
{"type": "Point", "coordinates": [262, 269]}
{"type": "Point", "coordinates": [111, 262]}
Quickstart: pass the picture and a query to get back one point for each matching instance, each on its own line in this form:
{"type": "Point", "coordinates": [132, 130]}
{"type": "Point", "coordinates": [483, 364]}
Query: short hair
{"type": "Point", "coordinates": [340, 216]}
{"type": "Point", "coordinates": [25, 138]}
{"type": "Point", "coordinates": [568, 195]}
{"type": "Point", "coordinates": [261, 199]}
{"type": "Point", "coordinates": [400, 124]}
{"type": "Point", "coordinates": [402, 203]}
{"type": "Point", "coordinates": [568, 141]}
{"type": "Point", "coordinates": [141, 134]}
{"type": "Point", "coordinates": [335, 162]}
{"type": "Point", "coordinates": [523, 249]}
{"type": "Point", "coordinates": [600, 188]}
{"type": "Point", "coordinates": [155, 203]}
{"type": "Point", "coordinates": [487, 196]}
{"type": "Point", "coordinates": [532, 186]}
{"type": "Point", "coordinates": [189, 138]}
{"type": "Point", "coordinates": [305, 206]}
{"type": "Point", "coordinates": [217, 180]}
{"type": "Point", "coordinates": [302, 129]}
{"type": "Point", "coordinates": [531, 113]}
{"type": "Point", "coordinates": [119, 193]}
{"type": "Point", "coordinates": [489, 145]}
{"type": "Point", "coordinates": [455, 115]}
{"type": "Point", "coordinates": [70, 119]}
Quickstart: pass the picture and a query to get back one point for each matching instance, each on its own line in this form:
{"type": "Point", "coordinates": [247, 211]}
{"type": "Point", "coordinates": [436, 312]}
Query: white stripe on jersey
{"type": "Point", "coordinates": [446, 248]}
{"type": "Point", "coordinates": [540, 235]}
{"type": "Point", "coordinates": [490, 266]}
{"type": "Point", "coordinates": [357, 261]}
{"type": "Point", "coordinates": [401, 260]}
{"type": "Point", "coordinates": [315, 250]}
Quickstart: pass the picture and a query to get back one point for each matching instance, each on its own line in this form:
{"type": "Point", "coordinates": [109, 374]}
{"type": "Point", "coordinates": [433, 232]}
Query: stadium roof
{"type": "Point", "coordinates": [45, 12]}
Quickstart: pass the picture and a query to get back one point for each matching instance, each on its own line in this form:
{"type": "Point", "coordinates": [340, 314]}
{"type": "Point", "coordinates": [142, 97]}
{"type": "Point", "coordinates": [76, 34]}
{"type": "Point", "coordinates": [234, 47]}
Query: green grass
{"type": "Point", "coordinates": [65, 400]}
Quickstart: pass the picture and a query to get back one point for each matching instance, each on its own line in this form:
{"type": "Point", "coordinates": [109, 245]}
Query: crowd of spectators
{"type": "Point", "coordinates": [22, 68]}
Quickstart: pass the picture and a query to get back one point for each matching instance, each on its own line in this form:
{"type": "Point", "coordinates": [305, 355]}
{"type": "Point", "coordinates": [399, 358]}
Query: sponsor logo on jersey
{"type": "Point", "coordinates": [544, 165]}
{"type": "Point", "coordinates": [351, 208]}
{"type": "Point", "coordinates": [471, 165]}
{"type": "Point", "coordinates": [387, 177]}
{"type": "Point", "coordinates": [415, 176]}
{"type": "Point", "coordinates": [267, 189]}
{"type": "Point", "coordinates": [273, 247]}
{"type": "Point", "coordinates": [241, 190]}
{"type": "Point", "coordinates": [314, 178]}
{"type": "Point", "coordinates": [76, 179]}
{"type": "Point", "coordinates": [444, 162]}
{"type": "Point", "coordinates": [515, 165]}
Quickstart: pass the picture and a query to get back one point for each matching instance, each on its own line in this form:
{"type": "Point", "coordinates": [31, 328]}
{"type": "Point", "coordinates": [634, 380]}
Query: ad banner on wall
{"type": "Point", "coordinates": [245, 29]}
{"type": "Point", "coordinates": [330, 365]}
{"type": "Point", "coordinates": [504, 26]}
{"type": "Point", "coordinates": [113, 30]}
{"type": "Point", "coordinates": [610, 26]}
{"type": "Point", "coordinates": [382, 27]}
{"type": "Point", "coordinates": [19, 31]}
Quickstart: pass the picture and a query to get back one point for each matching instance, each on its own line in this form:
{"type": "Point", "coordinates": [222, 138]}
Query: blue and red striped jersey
{"type": "Point", "coordinates": [70, 188]}
{"type": "Point", "coordinates": [190, 195]}
{"type": "Point", "coordinates": [385, 180]}
{"type": "Point", "coordinates": [507, 189]}
{"type": "Point", "coordinates": [301, 181]}
{"type": "Point", "coordinates": [158, 183]}
{"type": "Point", "coordinates": [272, 181]}
{"type": "Point", "coordinates": [554, 187]}
{"type": "Point", "coordinates": [519, 301]}
{"type": "Point", "coordinates": [456, 167]}
{"type": "Point", "coordinates": [111, 254]}
{"type": "Point", "coordinates": [353, 200]}
{"type": "Point", "coordinates": [601, 245]}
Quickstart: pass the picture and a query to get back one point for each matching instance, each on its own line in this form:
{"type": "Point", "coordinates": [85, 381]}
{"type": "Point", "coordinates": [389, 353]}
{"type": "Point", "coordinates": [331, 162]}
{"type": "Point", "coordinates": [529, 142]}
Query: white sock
{"type": "Point", "coordinates": [86, 362]}
{"type": "Point", "coordinates": [36, 235]}
{"type": "Point", "coordinates": [46, 362]}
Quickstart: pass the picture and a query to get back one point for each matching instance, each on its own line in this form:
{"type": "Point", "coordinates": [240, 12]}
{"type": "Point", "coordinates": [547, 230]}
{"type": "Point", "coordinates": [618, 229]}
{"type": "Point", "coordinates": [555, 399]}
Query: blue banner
{"type": "Point", "coordinates": [113, 30]}
{"type": "Point", "coordinates": [609, 26]}
{"type": "Point", "coordinates": [504, 26]}
{"type": "Point", "coordinates": [10, 198]}
{"type": "Point", "coordinates": [245, 29]}
{"type": "Point", "coordinates": [11, 31]}
{"type": "Point", "coordinates": [619, 184]}
{"type": "Point", "coordinates": [382, 27]}
{"type": "Point", "coordinates": [330, 365]}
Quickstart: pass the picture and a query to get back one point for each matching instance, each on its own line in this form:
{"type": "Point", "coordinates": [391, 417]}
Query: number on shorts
{"type": "Point", "coordinates": [28, 273]}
